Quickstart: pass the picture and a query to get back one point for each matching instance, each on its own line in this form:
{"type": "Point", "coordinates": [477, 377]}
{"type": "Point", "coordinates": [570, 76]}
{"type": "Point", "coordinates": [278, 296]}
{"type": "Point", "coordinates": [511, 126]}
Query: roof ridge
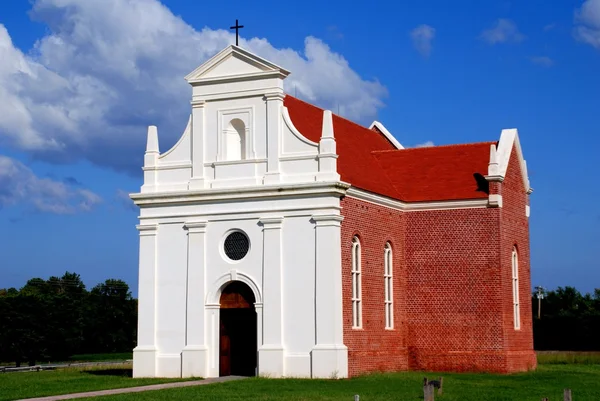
{"type": "Point", "coordinates": [436, 147]}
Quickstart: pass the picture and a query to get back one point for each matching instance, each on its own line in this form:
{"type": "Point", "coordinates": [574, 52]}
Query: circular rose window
{"type": "Point", "coordinates": [236, 245]}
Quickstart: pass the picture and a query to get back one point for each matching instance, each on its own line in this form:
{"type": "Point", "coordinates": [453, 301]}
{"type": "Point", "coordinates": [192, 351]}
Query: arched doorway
{"type": "Point", "coordinates": [237, 333]}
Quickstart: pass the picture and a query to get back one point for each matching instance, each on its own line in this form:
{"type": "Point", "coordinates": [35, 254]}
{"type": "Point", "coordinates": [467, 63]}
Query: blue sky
{"type": "Point", "coordinates": [80, 81]}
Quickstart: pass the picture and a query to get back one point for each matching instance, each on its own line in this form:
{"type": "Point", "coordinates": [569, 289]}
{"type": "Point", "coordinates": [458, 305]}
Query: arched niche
{"type": "Point", "coordinates": [235, 140]}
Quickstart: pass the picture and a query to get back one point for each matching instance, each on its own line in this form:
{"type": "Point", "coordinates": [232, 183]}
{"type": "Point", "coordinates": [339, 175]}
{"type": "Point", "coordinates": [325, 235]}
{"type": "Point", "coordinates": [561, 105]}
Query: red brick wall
{"type": "Point", "coordinates": [514, 228]}
{"type": "Point", "coordinates": [452, 286]}
{"type": "Point", "coordinates": [373, 348]}
{"type": "Point", "coordinates": [455, 312]}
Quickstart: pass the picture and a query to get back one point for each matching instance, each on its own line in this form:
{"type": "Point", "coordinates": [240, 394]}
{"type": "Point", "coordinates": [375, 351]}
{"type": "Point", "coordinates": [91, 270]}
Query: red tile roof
{"type": "Point", "coordinates": [369, 161]}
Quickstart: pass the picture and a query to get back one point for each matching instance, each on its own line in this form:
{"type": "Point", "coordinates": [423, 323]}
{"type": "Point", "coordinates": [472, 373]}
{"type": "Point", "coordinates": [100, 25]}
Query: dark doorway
{"type": "Point", "coordinates": [237, 338]}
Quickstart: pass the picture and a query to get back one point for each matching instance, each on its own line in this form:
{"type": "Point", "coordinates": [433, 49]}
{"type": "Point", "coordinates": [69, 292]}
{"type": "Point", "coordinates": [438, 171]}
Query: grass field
{"type": "Point", "coordinates": [64, 381]}
{"type": "Point", "coordinates": [548, 380]}
{"type": "Point", "coordinates": [568, 357]}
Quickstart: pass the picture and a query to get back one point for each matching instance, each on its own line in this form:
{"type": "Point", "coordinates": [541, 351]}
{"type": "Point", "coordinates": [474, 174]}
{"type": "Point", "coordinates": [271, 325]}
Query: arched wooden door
{"type": "Point", "coordinates": [237, 334]}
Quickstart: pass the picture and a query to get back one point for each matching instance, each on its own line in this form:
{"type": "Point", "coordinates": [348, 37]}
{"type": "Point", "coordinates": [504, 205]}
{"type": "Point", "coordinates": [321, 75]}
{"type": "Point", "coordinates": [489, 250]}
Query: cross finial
{"type": "Point", "coordinates": [237, 28]}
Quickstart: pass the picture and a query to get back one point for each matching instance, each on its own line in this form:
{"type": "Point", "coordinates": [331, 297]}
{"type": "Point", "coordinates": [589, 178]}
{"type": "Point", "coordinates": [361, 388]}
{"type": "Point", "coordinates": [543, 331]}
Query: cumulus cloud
{"type": "Point", "coordinates": [422, 36]}
{"type": "Point", "coordinates": [543, 61]}
{"type": "Point", "coordinates": [587, 20]}
{"type": "Point", "coordinates": [503, 31]}
{"type": "Point", "coordinates": [427, 144]}
{"type": "Point", "coordinates": [19, 185]}
{"type": "Point", "coordinates": [108, 68]}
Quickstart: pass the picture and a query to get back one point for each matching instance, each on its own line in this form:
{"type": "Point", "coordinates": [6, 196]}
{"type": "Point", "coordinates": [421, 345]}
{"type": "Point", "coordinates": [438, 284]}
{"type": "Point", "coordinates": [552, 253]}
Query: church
{"type": "Point", "coordinates": [279, 239]}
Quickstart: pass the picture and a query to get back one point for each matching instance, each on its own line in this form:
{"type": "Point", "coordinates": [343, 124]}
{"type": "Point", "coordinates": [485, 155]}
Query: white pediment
{"type": "Point", "coordinates": [234, 62]}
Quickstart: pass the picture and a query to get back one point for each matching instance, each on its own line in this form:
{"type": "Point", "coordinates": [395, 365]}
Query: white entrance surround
{"type": "Point", "coordinates": [241, 165]}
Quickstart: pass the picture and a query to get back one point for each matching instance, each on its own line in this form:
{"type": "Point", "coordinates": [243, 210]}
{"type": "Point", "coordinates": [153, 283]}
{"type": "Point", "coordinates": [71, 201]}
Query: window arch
{"type": "Point", "coordinates": [389, 286]}
{"type": "Point", "coordinates": [356, 284]}
{"type": "Point", "coordinates": [515, 288]}
{"type": "Point", "coordinates": [235, 140]}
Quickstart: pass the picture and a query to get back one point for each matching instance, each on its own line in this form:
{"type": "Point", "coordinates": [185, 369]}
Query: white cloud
{"type": "Point", "coordinates": [503, 31]}
{"type": "Point", "coordinates": [422, 36]}
{"type": "Point", "coordinates": [543, 61]}
{"type": "Point", "coordinates": [19, 185]}
{"type": "Point", "coordinates": [108, 68]}
{"type": "Point", "coordinates": [587, 19]}
{"type": "Point", "coordinates": [427, 144]}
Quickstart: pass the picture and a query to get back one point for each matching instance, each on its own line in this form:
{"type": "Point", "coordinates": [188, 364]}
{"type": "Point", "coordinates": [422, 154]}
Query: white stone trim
{"type": "Point", "coordinates": [499, 162]}
{"type": "Point", "coordinates": [386, 133]}
{"type": "Point", "coordinates": [269, 68]}
{"type": "Point", "coordinates": [168, 166]}
{"type": "Point", "coordinates": [213, 297]}
{"type": "Point", "coordinates": [147, 229]}
{"type": "Point", "coordinates": [184, 136]}
{"type": "Point", "coordinates": [288, 122]}
{"type": "Point", "coordinates": [527, 210]}
{"type": "Point", "coordinates": [382, 200]}
{"type": "Point", "coordinates": [219, 194]}
{"type": "Point", "coordinates": [495, 200]}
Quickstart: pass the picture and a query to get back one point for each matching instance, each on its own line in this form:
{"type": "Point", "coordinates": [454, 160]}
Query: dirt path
{"type": "Point", "coordinates": [134, 389]}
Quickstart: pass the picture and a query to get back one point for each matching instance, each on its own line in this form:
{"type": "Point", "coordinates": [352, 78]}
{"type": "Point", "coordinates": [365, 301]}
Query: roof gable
{"type": "Point", "coordinates": [500, 157]}
{"type": "Point", "coordinates": [234, 61]}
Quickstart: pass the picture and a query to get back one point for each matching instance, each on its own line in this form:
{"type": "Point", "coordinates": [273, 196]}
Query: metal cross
{"type": "Point", "coordinates": [237, 28]}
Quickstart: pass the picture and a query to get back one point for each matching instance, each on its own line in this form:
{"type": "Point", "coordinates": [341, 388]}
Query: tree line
{"type": "Point", "coordinates": [51, 320]}
{"type": "Point", "coordinates": [569, 320]}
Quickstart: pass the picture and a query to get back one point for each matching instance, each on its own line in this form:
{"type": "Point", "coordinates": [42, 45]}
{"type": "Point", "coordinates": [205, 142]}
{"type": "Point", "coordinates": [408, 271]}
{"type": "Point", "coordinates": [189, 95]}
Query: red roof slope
{"type": "Point", "coordinates": [368, 160]}
{"type": "Point", "coordinates": [438, 172]}
{"type": "Point", "coordinates": [354, 145]}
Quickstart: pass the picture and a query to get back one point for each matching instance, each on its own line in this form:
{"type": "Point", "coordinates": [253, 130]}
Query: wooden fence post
{"type": "Point", "coordinates": [428, 392]}
{"type": "Point", "coordinates": [567, 396]}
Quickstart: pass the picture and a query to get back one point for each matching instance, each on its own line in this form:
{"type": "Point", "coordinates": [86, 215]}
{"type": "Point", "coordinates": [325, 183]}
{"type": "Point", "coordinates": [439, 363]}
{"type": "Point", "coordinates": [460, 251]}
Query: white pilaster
{"type": "Point", "coordinates": [274, 105]}
{"type": "Point", "coordinates": [212, 317]}
{"type": "Point", "coordinates": [270, 353]}
{"type": "Point", "coordinates": [329, 355]}
{"type": "Point", "coordinates": [144, 355]}
{"type": "Point", "coordinates": [194, 355]}
{"type": "Point", "coordinates": [197, 138]}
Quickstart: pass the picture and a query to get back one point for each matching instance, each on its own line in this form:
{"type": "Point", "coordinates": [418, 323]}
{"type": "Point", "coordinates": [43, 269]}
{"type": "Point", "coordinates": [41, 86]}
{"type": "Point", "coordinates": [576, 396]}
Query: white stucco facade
{"type": "Point", "coordinates": [240, 165]}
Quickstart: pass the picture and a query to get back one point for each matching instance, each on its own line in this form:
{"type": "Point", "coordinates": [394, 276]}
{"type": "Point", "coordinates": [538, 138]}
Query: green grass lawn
{"type": "Point", "coordinates": [64, 381]}
{"type": "Point", "coordinates": [568, 357]}
{"type": "Point", "coordinates": [547, 381]}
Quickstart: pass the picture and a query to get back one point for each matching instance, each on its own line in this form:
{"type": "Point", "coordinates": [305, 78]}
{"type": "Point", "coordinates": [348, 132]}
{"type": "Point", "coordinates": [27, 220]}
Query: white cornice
{"type": "Point", "coordinates": [415, 206]}
{"type": "Point", "coordinates": [386, 133]}
{"type": "Point", "coordinates": [221, 194]}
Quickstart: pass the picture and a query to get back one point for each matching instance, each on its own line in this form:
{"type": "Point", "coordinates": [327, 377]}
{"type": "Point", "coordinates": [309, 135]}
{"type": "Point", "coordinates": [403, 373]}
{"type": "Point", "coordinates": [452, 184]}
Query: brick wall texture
{"type": "Point", "coordinates": [453, 302]}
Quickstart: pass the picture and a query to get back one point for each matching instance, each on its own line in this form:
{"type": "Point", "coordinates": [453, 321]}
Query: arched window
{"type": "Point", "coordinates": [356, 284]}
{"type": "Point", "coordinates": [235, 140]}
{"type": "Point", "coordinates": [515, 288]}
{"type": "Point", "coordinates": [389, 287]}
